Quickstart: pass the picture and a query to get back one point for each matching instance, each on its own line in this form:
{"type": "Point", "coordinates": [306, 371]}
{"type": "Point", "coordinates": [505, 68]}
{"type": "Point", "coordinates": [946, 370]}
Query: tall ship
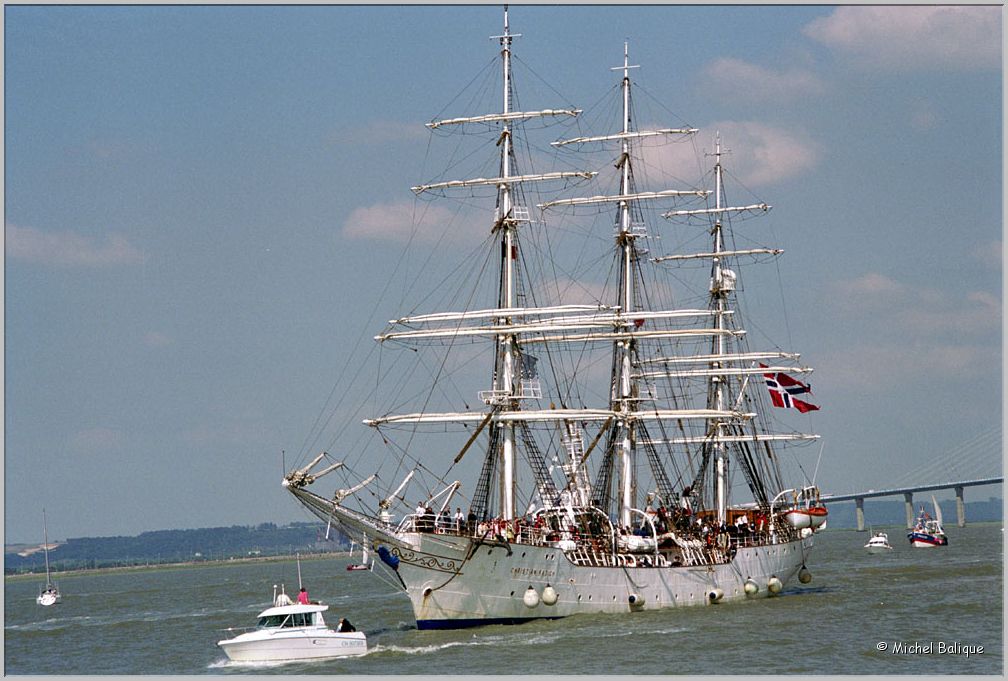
{"type": "Point", "coordinates": [633, 452]}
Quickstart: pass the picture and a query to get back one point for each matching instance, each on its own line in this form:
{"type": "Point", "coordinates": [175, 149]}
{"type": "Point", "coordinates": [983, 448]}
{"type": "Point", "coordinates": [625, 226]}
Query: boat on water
{"type": "Point", "coordinates": [879, 543]}
{"type": "Point", "coordinates": [290, 631]}
{"type": "Point", "coordinates": [632, 441]}
{"type": "Point", "coordinates": [928, 530]}
{"type": "Point", "coordinates": [50, 594]}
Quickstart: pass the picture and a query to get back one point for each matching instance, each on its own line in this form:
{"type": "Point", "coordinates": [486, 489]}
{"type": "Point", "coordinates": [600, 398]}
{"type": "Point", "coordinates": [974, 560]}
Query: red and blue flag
{"type": "Point", "coordinates": [783, 389]}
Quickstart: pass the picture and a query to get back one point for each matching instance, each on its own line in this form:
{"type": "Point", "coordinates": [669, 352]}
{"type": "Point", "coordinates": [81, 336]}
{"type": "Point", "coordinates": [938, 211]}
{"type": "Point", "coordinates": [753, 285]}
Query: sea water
{"type": "Point", "coordinates": [910, 611]}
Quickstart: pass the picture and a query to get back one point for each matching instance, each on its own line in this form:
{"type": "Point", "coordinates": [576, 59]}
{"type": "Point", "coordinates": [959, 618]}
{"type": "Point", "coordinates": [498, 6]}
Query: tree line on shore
{"type": "Point", "coordinates": [176, 546]}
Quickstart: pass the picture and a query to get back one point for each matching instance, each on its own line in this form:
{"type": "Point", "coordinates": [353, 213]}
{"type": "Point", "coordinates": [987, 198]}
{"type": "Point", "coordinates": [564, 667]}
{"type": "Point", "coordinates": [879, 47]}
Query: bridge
{"type": "Point", "coordinates": [973, 456]}
{"type": "Point", "coordinates": [907, 492]}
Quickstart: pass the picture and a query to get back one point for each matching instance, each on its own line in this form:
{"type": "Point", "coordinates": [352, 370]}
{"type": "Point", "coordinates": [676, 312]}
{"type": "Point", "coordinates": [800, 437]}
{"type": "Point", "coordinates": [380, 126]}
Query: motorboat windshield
{"type": "Point", "coordinates": [295, 619]}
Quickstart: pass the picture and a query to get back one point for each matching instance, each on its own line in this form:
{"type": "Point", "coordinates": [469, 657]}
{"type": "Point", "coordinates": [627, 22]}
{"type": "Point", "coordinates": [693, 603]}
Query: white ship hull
{"type": "Point", "coordinates": [490, 586]}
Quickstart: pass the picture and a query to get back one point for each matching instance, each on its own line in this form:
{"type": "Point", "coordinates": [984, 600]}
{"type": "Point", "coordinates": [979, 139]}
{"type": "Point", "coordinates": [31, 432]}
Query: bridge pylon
{"type": "Point", "coordinates": [960, 507]}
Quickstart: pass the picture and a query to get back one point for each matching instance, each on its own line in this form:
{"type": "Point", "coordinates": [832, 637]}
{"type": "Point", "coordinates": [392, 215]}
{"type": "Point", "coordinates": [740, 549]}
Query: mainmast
{"type": "Point", "coordinates": [624, 382]}
{"type": "Point", "coordinates": [504, 384]}
{"type": "Point", "coordinates": [722, 282]}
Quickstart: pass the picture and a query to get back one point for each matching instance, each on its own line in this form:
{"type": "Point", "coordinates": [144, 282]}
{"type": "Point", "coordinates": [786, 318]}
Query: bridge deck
{"type": "Point", "coordinates": [832, 498]}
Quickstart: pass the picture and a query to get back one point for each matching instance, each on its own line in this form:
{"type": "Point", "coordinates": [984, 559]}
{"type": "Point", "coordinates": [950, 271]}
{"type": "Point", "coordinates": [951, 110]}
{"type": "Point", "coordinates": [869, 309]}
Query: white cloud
{"type": "Point", "coordinates": [923, 119]}
{"type": "Point", "coordinates": [755, 153]}
{"type": "Point", "coordinates": [756, 83]}
{"type": "Point", "coordinates": [67, 248]}
{"type": "Point", "coordinates": [913, 37]}
{"type": "Point", "coordinates": [883, 366]}
{"type": "Point", "coordinates": [990, 254]}
{"type": "Point", "coordinates": [762, 155]}
{"type": "Point", "coordinates": [897, 333]}
{"type": "Point", "coordinates": [404, 221]}
{"type": "Point", "coordinates": [871, 284]}
{"type": "Point", "coordinates": [97, 440]}
{"type": "Point", "coordinates": [925, 312]}
{"type": "Point", "coordinates": [380, 132]}
{"type": "Point", "coordinates": [156, 339]}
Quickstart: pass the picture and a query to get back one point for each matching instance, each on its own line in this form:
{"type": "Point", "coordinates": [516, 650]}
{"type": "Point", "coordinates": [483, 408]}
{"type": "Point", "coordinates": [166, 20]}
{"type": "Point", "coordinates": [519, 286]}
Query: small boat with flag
{"type": "Point", "coordinates": [928, 531]}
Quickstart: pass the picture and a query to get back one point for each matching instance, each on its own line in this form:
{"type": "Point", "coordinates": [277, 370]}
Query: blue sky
{"type": "Point", "coordinates": [202, 205]}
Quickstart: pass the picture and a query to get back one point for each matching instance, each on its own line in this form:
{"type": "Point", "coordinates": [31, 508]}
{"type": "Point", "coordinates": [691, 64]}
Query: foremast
{"type": "Point", "coordinates": [505, 396]}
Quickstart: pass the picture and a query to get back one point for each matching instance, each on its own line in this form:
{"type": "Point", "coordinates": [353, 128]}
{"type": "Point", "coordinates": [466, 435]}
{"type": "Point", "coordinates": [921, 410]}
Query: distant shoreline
{"type": "Point", "coordinates": [175, 566]}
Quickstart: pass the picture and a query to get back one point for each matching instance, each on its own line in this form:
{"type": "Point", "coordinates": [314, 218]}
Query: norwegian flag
{"type": "Point", "coordinates": [782, 389]}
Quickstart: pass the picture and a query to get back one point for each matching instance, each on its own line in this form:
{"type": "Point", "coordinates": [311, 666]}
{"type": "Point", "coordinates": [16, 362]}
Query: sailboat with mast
{"type": "Point", "coordinates": [50, 595]}
{"type": "Point", "coordinates": [630, 457]}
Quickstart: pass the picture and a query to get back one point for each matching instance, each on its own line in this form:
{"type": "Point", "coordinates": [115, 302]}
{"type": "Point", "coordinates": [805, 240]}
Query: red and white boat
{"type": "Point", "coordinates": [928, 531]}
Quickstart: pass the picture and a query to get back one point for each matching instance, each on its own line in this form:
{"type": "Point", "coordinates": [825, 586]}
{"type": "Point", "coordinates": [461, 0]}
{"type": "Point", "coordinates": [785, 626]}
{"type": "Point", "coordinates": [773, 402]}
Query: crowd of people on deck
{"type": "Point", "coordinates": [680, 520]}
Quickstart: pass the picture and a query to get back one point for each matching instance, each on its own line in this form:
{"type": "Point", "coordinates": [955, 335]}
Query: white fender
{"type": "Point", "coordinates": [804, 576]}
{"type": "Point", "coordinates": [550, 596]}
{"type": "Point", "coordinates": [774, 585]}
{"type": "Point", "coordinates": [715, 595]}
{"type": "Point", "coordinates": [750, 587]}
{"type": "Point", "coordinates": [531, 597]}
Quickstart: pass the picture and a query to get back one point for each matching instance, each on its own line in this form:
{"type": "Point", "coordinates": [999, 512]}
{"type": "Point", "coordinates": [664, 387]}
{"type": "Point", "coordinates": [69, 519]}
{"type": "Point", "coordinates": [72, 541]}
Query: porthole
{"type": "Point", "coordinates": [512, 593]}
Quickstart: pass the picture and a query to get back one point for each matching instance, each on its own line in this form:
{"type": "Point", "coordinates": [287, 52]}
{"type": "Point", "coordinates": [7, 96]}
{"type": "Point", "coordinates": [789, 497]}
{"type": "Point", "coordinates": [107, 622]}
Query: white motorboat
{"type": "Point", "coordinates": [293, 631]}
{"type": "Point", "coordinates": [51, 594]}
{"type": "Point", "coordinates": [879, 543]}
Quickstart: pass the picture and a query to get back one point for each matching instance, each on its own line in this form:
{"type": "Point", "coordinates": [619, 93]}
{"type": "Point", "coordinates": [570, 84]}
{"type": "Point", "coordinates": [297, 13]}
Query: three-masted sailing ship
{"type": "Point", "coordinates": [630, 458]}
